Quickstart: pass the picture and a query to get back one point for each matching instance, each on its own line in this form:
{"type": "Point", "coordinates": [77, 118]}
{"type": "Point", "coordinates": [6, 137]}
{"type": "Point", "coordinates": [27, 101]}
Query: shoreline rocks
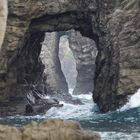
{"type": "Point", "coordinates": [53, 129]}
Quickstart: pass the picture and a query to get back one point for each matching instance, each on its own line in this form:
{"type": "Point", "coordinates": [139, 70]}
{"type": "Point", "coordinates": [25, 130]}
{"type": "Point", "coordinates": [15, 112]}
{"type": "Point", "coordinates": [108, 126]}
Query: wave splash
{"type": "Point", "coordinates": [133, 102]}
{"type": "Point", "coordinates": [70, 111]}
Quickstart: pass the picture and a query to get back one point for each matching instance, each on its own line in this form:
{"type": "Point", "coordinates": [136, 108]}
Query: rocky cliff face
{"type": "Point", "coordinates": [84, 50]}
{"type": "Point", "coordinates": [54, 78]}
{"type": "Point", "coordinates": [3, 19]}
{"type": "Point", "coordinates": [117, 72]}
{"type": "Point", "coordinates": [27, 23]}
{"type": "Point", "coordinates": [113, 25]}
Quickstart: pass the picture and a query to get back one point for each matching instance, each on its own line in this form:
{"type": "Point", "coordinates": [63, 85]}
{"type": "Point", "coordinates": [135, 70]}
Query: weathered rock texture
{"type": "Point", "coordinates": [118, 61]}
{"type": "Point", "coordinates": [113, 25]}
{"type": "Point", "coordinates": [54, 77]}
{"type": "Point", "coordinates": [84, 50]}
{"type": "Point", "coordinates": [68, 62]}
{"type": "Point", "coordinates": [9, 133]}
{"type": "Point", "coordinates": [20, 65]}
{"type": "Point", "coordinates": [3, 19]}
{"type": "Point", "coordinates": [48, 130]}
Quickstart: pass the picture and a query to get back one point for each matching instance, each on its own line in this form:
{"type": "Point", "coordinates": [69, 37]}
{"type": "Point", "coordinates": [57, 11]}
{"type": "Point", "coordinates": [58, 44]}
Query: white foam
{"type": "Point", "coordinates": [84, 96]}
{"type": "Point", "coordinates": [46, 97]}
{"type": "Point", "coordinates": [71, 91]}
{"type": "Point", "coordinates": [81, 96]}
{"type": "Point", "coordinates": [119, 136]}
{"type": "Point", "coordinates": [71, 111]}
{"type": "Point", "coordinates": [133, 102]}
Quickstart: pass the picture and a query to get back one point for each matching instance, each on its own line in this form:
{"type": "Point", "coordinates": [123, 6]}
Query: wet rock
{"type": "Point", "coordinates": [40, 105]}
{"type": "Point", "coordinates": [67, 98]}
{"type": "Point", "coordinates": [31, 110]}
{"type": "Point", "coordinates": [118, 61]}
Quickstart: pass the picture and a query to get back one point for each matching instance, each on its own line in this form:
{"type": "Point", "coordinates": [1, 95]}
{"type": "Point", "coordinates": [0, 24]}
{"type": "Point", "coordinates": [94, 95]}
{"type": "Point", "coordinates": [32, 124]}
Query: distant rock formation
{"type": "Point", "coordinates": [85, 52]}
{"type": "Point", "coordinates": [48, 130]}
{"type": "Point", "coordinates": [68, 63]}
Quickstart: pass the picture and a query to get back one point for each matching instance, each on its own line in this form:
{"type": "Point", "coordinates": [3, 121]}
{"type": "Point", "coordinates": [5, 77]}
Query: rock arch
{"type": "Point", "coordinates": [84, 51]}
{"type": "Point", "coordinates": [114, 26]}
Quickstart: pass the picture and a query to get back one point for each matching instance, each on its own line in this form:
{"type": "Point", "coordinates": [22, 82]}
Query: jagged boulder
{"type": "Point", "coordinates": [48, 130]}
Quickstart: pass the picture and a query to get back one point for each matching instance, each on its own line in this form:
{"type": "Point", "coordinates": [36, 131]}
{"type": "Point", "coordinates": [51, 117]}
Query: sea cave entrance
{"type": "Point", "coordinates": [78, 65]}
{"type": "Point", "coordinates": [69, 61]}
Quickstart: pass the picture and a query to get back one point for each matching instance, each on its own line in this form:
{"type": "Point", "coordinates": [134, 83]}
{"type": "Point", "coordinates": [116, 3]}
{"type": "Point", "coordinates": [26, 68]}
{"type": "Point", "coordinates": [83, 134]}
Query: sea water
{"type": "Point", "coordinates": [122, 124]}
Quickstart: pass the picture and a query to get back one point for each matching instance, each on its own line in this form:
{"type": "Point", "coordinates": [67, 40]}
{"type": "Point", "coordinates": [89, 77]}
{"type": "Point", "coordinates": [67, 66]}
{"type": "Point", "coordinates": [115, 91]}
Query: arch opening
{"type": "Point", "coordinates": [81, 66]}
{"type": "Point", "coordinates": [26, 66]}
{"type": "Point", "coordinates": [39, 26]}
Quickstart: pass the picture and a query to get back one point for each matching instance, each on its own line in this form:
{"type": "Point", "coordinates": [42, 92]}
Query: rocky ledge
{"type": "Point", "coordinates": [48, 130]}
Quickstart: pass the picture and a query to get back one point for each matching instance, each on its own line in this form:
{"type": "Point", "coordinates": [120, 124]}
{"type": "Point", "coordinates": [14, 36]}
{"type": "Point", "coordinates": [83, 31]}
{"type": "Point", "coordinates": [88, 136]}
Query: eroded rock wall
{"type": "Point", "coordinates": [118, 61]}
{"type": "Point", "coordinates": [85, 52]}
{"type": "Point", "coordinates": [3, 19]}
{"type": "Point", "coordinates": [54, 77]}
{"type": "Point", "coordinates": [19, 59]}
{"type": "Point", "coordinates": [114, 25]}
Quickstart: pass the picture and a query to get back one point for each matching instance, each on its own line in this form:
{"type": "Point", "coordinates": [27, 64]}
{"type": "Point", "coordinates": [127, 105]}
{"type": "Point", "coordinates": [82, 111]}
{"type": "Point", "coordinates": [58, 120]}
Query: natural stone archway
{"type": "Point", "coordinates": [84, 50]}
{"type": "Point", "coordinates": [25, 31]}
{"type": "Point", "coordinates": [54, 77]}
{"type": "Point", "coordinates": [114, 25]}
